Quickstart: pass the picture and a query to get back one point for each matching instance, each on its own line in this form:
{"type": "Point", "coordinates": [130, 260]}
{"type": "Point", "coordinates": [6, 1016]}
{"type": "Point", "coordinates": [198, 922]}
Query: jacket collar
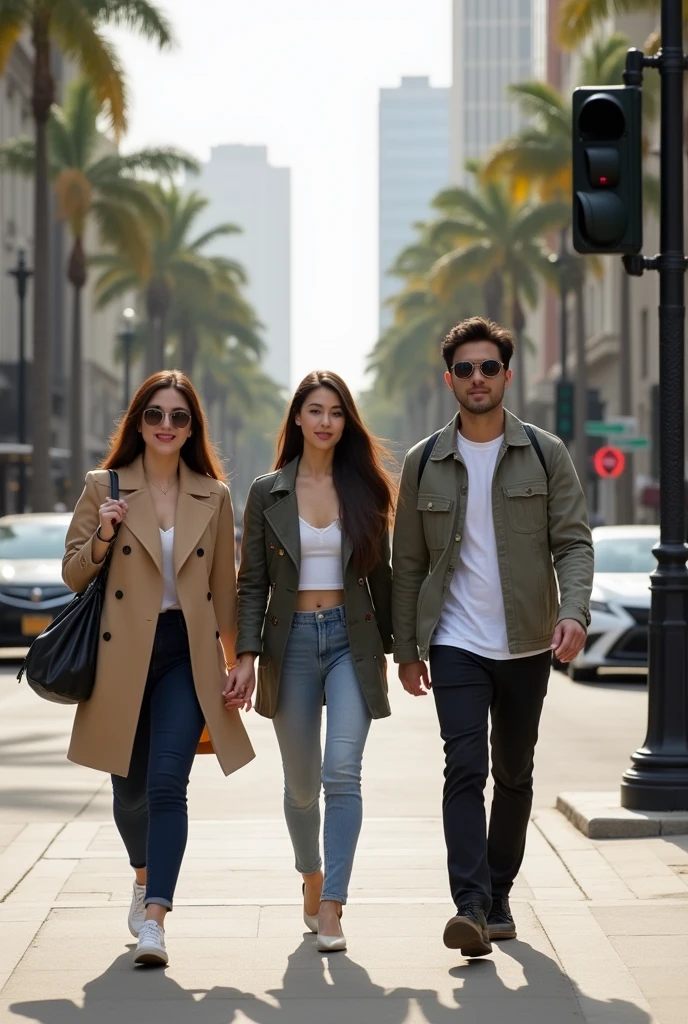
{"type": "Point", "coordinates": [285, 479]}
{"type": "Point", "coordinates": [192, 514]}
{"type": "Point", "coordinates": [514, 435]}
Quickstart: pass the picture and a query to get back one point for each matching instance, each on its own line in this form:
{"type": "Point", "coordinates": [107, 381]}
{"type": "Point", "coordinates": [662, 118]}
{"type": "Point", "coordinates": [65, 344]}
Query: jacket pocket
{"type": "Point", "coordinates": [438, 519]}
{"type": "Point", "coordinates": [527, 505]}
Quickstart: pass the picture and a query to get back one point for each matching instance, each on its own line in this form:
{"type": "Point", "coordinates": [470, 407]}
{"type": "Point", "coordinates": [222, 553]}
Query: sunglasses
{"type": "Point", "coordinates": [488, 367]}
{"type": "Point", "coordinates": [179, 418]}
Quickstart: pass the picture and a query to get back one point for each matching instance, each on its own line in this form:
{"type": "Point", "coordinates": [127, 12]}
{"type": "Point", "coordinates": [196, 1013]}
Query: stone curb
{"type": "Point", "coordinates": [600, 816]}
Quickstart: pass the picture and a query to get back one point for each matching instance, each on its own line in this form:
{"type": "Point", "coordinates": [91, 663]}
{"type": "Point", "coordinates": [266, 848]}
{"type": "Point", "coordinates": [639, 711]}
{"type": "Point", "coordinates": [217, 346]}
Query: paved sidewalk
{"type": "Point", "coordinates": [603, 926]}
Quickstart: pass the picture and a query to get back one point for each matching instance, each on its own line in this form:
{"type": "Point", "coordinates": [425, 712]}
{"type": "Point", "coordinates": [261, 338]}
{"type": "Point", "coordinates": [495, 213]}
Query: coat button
{"type": "Point", "coordinates": [529, 490]}
{"type": "Point", "coordinates": [200, 552]}
{"type": "Point", "coordinates": [361, 582]}
{"type": "Point", "coordinates": [107, 636]}
{"type": "Point", "coordinates": [369, 617]}
{"type": "Point", "coordinates": [217, 636]}
{"type": "Point", "coordinates": [272, 547]}
{"type": "Point", "coordinates": [429, 504]}
{"type": "Point", "coordinates": [275, 621]}
{"type": "Point", "coordinates": [119, 595]}
{"type": "Point", "coordinates": [210, 596]}
{"type": "Point", "coordinates": [457, 538]}
{"type": "Point", "coordinates": [281, 552]}
{"type": "Point", "coordinates": [126, 550]}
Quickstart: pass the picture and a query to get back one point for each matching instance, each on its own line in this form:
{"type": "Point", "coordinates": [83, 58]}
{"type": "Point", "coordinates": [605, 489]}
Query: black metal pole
{"type": "Point", "coordinates": [563, 292]}
{"type": "Point", "coordinates": [658, 780]}
{"type": "Point", "coordinates": [21, 275]}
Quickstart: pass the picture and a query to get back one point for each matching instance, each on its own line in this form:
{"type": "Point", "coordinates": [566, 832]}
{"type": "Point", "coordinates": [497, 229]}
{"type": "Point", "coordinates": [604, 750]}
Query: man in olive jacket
{"type": "Point", "coordinates": [489, 510]}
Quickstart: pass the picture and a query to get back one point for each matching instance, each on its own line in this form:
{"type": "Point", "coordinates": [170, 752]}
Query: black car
{"type": "Point", "coordinates": [31, 589]}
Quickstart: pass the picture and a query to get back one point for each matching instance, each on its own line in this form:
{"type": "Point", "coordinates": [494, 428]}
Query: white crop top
{"type": "Point", "coordinates": [169, 592]}
{"type": "Point", "coordinates": [321, 557]}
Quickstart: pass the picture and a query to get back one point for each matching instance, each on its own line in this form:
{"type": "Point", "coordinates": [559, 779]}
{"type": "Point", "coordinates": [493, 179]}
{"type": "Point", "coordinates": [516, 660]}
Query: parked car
{"type": "Point", "coordinates": [620, 601]}
{"type": "Point", "coordinates": [31, 589]}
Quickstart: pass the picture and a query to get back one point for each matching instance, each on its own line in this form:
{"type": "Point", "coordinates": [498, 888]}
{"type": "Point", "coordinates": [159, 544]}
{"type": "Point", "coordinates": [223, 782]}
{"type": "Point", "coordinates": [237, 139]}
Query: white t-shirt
{"type": "Point", "coordinates": [473, 614]}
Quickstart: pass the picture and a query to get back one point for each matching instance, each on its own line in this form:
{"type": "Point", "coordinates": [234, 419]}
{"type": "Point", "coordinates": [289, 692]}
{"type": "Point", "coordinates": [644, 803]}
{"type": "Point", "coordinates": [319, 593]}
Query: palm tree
{"type": "Point", "coordinates": [179, 267]}
{"type": "Point", "coordinates": [75, 28]}
{"type": "Point", "coordinates": [578, 18]}
{"type": "Point", "coordinates": [539, 158]}
{"type": "Point", "coordinates": [496, 243]}
{"type": "Point", "coordinates": [101, 187]}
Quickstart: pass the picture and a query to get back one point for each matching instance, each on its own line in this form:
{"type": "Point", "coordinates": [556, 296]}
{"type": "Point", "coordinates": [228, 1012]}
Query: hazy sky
{"type": "Point", "coordinates": [302, 77]}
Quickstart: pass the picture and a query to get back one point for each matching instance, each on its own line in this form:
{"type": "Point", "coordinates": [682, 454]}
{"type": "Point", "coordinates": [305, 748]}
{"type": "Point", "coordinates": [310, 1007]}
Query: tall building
{"type": "Point", "coordinates": [246, 190]}
{"type": "Point", "coordinates": [496, 43]}
{"type": "Point", "coordinates": [414, 166]}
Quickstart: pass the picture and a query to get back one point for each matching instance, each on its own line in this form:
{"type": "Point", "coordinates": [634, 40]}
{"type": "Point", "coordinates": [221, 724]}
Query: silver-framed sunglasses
{"type": "Point", "coordinates": [179, 418]}
{"type": "Point", "coordinates": [465, 369]}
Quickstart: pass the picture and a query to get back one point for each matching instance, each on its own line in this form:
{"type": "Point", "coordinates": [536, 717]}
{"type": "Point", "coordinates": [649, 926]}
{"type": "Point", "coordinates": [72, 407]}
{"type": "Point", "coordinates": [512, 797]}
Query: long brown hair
{"type": "Point", "coordinates": [198, 451]}
{"type": "Point", "coordinates": [362, 483]}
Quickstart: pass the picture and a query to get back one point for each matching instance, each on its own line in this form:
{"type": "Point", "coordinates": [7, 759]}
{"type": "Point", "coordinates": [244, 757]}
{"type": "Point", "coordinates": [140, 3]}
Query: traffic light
{"type": "Point", "coordinates": [595, 412]}
{"type": "Point", "coordinates": [607, 170]}
{"type": "Point", "coordinates": [565, 397]}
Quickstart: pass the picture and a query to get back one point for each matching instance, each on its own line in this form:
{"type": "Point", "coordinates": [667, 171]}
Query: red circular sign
{"type": "Point", "coordinates": [609, 462]}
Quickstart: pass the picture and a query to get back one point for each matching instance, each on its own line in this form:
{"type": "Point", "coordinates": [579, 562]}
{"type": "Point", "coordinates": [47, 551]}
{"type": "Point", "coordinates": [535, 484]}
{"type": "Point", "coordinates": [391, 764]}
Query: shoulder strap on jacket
{"type": "Point", "coordinates": [427, 452]}
{"type": "Point", "coordinates": [536, 445]}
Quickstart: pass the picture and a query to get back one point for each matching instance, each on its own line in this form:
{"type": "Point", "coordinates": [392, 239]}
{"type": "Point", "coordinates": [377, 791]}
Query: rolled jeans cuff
{"type": "Point", "coordinates": [158, 901]}
{"type": "Point", "coordinates": [333, 898]}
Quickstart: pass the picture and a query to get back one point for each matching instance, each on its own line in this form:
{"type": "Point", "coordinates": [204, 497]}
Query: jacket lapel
{"type": "Point", "coordinates": [347, 552]}
{"type": "Point", "coordinates": [141, 518]}
{"type": "Point", "coordinates": [283, 516]}
{"type": "Point", "coordinates": [194, 512]}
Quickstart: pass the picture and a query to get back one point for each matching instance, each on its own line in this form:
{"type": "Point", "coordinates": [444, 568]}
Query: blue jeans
{"type": "Point", "coordinates": [150, 803]}
{"type": "Point", "coordinates": [318, 664]}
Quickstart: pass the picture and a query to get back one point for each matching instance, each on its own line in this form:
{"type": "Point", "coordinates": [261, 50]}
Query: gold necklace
{"type": "Point", "coordinates": [169, 486]}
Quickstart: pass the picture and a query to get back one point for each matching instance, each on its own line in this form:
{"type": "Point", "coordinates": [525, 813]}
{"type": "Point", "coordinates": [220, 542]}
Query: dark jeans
{"type": "Point", "coordinates": [468, 688]}
{"type": "Point", "coordinates": [150, 803]}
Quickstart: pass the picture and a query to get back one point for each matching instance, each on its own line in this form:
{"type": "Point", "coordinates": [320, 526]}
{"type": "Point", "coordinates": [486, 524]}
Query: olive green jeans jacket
{"type": "Point", "coordinates": [541, 525]}
{"type": "Point", "coordinates": [268, 584]}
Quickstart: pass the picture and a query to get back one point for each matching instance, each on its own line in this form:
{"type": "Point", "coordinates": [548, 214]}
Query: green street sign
{"type": "Point", "coordinates": [621, 427]}
{"type": "Point", "coordinates": [632, 444]}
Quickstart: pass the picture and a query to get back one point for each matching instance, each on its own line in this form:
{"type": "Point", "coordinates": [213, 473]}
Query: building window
{"type": "Point", "coordinates": [644, 345]}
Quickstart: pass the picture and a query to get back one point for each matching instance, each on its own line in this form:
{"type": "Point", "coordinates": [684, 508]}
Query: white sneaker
{"type": "Point", "coordinates": [151, 947]}
{"type": "Point", "coordinates": [137, 910]}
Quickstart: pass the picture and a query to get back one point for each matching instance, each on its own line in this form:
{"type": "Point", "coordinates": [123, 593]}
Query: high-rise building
{"type": "Point", "coordinates": [496, 43]}
{"type": "Point", "coordinates": [414, 166]}
{"type": "Point", "coordinates": [246, 190]}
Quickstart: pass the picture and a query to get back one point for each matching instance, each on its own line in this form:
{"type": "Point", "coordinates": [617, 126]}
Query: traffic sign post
{"type": "Point", "coordinates": [609, 463]}
{"type": "Point", "coordinates": [614, 426]}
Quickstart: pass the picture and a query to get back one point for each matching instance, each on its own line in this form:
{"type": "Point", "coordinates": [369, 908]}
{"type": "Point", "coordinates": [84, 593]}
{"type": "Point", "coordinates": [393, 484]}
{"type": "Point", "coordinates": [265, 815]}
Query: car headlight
{"type": "Point", "coordinates": [600, 606]}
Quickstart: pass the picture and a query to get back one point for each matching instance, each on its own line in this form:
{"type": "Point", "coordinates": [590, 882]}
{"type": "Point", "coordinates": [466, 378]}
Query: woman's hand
{"type": "Point", "coordinates": [111, 513]}
{"type": "Point", "coordinates": [241, 682]}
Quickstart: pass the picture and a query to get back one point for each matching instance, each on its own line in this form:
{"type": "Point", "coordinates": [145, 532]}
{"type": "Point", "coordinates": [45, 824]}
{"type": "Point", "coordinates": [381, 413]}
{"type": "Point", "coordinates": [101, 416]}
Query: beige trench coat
{"type": "Point", "coordinates": [105, 725]}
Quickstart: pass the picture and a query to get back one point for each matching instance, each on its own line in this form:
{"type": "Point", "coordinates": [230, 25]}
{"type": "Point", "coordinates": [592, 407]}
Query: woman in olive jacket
{"type": "Point", "coordinates": [315, 607]}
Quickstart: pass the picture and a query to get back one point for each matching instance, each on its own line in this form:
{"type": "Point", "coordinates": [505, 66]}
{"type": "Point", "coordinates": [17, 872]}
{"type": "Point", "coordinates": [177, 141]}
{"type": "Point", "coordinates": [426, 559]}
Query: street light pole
{"type": "Point", "coordinates": [658, 779]}
{"type": "Point", "coordinates": [563, 295]}
{"type": "Point", "coordinates": [127, 341]}
{"type": "Point", "coordinates": [21, 275]}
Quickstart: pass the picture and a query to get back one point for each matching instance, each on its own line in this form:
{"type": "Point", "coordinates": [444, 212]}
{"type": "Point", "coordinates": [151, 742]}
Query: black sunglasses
{"type": "Point", "coordinates": [488, 367]}
{"type": "Point", "coordinates": [179, 418]}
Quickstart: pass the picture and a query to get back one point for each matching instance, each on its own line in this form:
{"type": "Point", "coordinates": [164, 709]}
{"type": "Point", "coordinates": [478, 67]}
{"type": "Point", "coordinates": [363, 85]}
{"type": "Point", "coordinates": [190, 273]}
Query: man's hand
{"type": "Point", "coordinates": [568, 640]}
{"type": "Point", "coordinates": [414, 677]}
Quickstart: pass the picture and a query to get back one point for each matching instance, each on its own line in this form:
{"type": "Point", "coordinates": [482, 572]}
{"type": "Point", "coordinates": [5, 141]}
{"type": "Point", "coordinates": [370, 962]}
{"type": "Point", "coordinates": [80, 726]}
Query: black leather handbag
{"type": "Point", "coordinates": [61, 663]}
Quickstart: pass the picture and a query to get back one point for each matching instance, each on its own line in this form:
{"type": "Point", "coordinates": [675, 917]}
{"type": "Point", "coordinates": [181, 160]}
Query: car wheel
{"type": "Point", "coordinates": [582, 675]}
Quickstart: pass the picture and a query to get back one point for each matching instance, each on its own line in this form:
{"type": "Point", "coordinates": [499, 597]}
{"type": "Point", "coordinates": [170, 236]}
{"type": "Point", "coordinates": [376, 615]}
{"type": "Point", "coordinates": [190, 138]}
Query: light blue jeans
{"type": "Point", "coordinates": [317, 663]}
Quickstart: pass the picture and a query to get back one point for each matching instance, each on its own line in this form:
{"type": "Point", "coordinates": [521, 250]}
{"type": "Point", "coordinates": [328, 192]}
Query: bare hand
{"type": "Point", "coordinates": [414, 678]}
{"type": "Point", "coordinates": [241, 682]}
{"type": "Point", "coordinates": [568, 640]}
{"type": "Point", "coordinates": [111, 513]}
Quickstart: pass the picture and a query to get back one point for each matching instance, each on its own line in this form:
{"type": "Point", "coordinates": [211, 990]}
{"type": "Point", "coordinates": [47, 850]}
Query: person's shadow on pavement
{"type": "Point", "coordinates": [338, 990]}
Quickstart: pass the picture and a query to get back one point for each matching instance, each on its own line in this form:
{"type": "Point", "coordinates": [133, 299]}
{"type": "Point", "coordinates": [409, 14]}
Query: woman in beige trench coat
{"type": "Point", "coordinates": [167, 633]}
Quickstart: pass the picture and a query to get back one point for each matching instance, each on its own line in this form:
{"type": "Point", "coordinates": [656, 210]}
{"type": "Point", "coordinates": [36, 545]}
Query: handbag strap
{"type": "Point", "coordinates": [114, 484]}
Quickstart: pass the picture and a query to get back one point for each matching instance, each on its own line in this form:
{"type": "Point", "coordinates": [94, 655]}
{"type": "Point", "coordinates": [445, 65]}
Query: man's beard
{"type": "Point", "coordinates": [476, 408]}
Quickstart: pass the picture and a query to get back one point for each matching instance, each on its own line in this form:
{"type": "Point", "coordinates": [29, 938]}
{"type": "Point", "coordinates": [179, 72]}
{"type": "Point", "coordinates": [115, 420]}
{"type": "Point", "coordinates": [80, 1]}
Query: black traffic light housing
{"type": "Point", "coordinates": [607, 170]}
{"type": "Point", "coordinates": [564, 410]}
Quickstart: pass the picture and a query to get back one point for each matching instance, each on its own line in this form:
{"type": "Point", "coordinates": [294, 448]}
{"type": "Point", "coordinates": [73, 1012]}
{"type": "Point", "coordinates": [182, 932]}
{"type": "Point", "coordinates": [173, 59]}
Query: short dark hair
{"type": "Point", "coordinates": [478, 328]}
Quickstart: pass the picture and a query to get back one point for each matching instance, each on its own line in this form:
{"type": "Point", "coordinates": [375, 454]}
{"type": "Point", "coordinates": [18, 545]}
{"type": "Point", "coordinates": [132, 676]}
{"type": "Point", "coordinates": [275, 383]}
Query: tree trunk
{"type": "Point", "coordinates": [158, 300]}
{"type": "Point", "coordinates": [77, 278]}
{"type": "Point", "coordinates": [625, 497]}
{"type": "Point", "coordinates": [188, 349]}
{"type": "Point", "coordinates": [581, 403]}
{"type": "Point", "coordinates": [519, 323]}
{"type": "Point", "coordinates": [41, 383]}
{"type": "Point", "coordinates": [493, 291]}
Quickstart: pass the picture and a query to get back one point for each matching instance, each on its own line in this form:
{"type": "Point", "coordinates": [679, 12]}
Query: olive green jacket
{"type": "Point", "coordinates": [268, 584]}
{"type": "Point", "coordinates": [541, 527]}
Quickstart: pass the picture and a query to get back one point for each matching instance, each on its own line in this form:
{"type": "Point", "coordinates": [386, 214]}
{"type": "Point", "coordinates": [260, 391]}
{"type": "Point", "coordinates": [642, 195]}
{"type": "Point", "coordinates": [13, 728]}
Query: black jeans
{"type": "Point", "coordinates": [150, 803]}
{"type": "Point", "coordinates": [467, 689]}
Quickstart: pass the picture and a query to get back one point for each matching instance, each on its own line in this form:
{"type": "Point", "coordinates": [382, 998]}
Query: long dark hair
{"type": "Point", "coordinates": [362, 483]}
{"type": "Point", "coordinates": [198, 451]}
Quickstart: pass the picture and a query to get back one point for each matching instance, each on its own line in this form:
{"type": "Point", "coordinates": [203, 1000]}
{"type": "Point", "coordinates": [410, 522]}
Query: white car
{"type": "Point", "coordinates": [620, 601]}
